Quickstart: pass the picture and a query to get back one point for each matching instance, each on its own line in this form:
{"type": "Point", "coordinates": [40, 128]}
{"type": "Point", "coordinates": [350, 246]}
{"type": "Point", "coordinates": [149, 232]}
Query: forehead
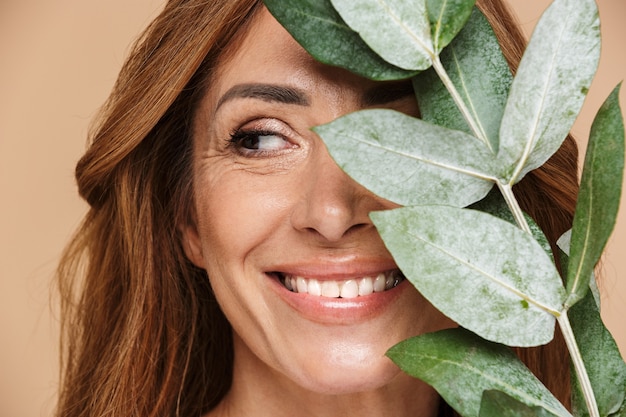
{"type": "Point", "coordinates": [266, 53]}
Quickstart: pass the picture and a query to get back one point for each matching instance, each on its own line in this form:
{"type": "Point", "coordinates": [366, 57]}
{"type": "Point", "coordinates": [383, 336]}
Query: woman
{"type": "Point", "coordinates": [221, 235]}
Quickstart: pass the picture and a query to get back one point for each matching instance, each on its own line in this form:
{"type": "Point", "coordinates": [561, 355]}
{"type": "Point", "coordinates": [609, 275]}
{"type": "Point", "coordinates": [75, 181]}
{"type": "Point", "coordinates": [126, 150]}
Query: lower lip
{"type": "Point", "coordinates": [338, 310]}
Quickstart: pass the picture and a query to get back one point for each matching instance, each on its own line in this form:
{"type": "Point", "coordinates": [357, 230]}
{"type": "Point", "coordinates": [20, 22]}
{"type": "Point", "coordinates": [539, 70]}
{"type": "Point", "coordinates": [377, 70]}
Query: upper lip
{"type": "Point", "coordinates": [334, 268]}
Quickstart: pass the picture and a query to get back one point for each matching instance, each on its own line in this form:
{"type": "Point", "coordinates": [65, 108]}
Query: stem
{"type": "Point", "coordinates": [447, 82]}
{"type": "Point", "coordinates": [579, 365]}
{"type": "Point", "coordinates": [566, 328]}
{"type": "Point", "coordinates": [507, 192]}
{"type": "Point", "coordinates": [511, 201]}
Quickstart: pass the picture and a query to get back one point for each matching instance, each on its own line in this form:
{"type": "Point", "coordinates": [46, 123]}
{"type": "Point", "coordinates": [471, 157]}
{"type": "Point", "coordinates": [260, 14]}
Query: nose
{"type": "Point", "coordinates": [332, 205]}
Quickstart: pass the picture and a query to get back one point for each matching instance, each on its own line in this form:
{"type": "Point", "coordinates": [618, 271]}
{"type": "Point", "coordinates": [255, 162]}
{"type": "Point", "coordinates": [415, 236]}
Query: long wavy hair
{"type": "Point", "coordinates": [142, 334]}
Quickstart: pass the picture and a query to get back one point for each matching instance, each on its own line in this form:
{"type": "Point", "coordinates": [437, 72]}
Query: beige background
{"type": "Point", "coordinates": [58, 59]}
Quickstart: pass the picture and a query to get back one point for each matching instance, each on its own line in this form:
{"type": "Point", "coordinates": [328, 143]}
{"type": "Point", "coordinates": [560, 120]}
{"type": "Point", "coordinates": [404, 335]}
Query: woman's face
{"type": "Point", "coordinates": [284, 234]}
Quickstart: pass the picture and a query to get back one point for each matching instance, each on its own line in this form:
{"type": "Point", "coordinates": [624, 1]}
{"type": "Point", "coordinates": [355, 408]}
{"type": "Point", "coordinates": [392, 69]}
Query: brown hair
{"type": "Point", "coordinates": [142, 332]}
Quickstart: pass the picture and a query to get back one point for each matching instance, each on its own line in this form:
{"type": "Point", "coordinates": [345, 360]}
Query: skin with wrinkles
{"type": "Point", "coordinates": [270, 202]}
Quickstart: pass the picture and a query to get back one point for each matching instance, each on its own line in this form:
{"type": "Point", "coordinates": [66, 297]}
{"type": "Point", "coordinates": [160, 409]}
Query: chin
{"type": "Point", "coordinates": [346, 373]}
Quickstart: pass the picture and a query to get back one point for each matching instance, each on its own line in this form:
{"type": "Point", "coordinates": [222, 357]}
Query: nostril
{"type": "Point", "coordinates": [327, 236]}
{"type": "Point", "coordinates": [358, 227]}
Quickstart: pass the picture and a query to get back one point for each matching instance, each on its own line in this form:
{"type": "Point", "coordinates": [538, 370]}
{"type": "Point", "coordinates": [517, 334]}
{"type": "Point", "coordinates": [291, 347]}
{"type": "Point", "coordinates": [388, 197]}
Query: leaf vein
{"type": "Point", "coordinates": [400, 23]}
{"type": "Point", "coordinates": [468, 97]}
{"type": "Point", "coordinates": [489, 276]}
{"type": "Point", "coordinates": [475, 174]}
{"type": "Point", "coordinates": [533, 137]}
{"type": "Point", "coordinates": [464, 366]}
{"type": "Point", "coordinates": [438, 27]}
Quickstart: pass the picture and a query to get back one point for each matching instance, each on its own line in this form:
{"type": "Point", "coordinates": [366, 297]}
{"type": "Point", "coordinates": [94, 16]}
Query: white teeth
{"type": "Point", "coordinates": [330, 289]}
{"type": "Point", "coordinates": [351, 288]}
{"type": "Point", "coordinates": [301, 285]}
{"type": "Point", "coordinates": [379, 283]}
{"type": "Point", "coordinates": [366, 286]}
{"type": "Point", "coordinates": [315, 288]}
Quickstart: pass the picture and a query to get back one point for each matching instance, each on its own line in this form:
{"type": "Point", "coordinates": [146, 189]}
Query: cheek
{"type": "Point", "coordinates": [236, 214]}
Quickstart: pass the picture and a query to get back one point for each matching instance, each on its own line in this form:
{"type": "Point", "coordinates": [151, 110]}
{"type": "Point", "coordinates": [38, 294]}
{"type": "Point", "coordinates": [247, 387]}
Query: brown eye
{"type": "Point", "coordinates": [253, 141]}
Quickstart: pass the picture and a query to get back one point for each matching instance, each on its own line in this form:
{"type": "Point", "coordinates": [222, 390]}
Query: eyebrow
{"type": "Point", "coordinates": [378, 95]}
{"type": "Point", "coordinates": [266, 92]}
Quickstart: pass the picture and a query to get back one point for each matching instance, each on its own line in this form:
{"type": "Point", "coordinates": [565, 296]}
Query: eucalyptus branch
{"type": "Point", "coordinates": [579, 365]}
{"type": "Point", "coordinates": [562, 318]}
{"type": "Point", "coordinates": [511, 201]}
{"type": "Point", "coordinates": [447, 82]}
{"type": "Point", "coordinates": [429, 177]}
{"type": "Point", "coordinates": [507, 192]}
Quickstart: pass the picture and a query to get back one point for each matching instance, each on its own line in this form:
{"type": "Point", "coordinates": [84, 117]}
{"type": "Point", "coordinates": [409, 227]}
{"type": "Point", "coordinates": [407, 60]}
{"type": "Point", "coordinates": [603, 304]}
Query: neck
{"type": "Point", "coordinates": [260, 391]}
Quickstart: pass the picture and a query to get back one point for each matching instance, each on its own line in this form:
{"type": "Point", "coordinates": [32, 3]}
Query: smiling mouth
{"type": "Point", "coordinates": [349, 288]}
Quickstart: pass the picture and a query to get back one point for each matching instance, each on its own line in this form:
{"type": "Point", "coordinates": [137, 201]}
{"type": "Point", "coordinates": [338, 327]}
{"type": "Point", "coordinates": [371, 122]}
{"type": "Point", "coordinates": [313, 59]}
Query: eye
{"type": "Point", "coordinates": [258, 142]}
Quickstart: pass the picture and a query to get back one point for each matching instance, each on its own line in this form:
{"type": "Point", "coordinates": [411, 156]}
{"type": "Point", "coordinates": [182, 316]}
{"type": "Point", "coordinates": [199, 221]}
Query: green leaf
{"type": "Point", "coordinates": [599, 196]}
{"type": "Point", "coordinates": [550, 85]}
{"type": "Point", "coordinates": [604, 364]}
{"type": "Point", "coordinates": [447, 18]}
{"type": "Point", "coordinates": [484, 273]}
{"type": "Point", "coordinates": [316, 26]}
{"type": "Point", "coordinates": [563, 244]}
{"type": "Point", "coordinates": [498, 404]}
{"type": "Point", "coordinates": [495, 205]}
{"type": "Point", "coordinates": [461, 366]}
{"type": "Point", "coordinates": [398, 30]}
{"type": "Point", "coordinates": [407, 160]}
{"type": "Point", "coordinates": [476, 66]}
{"type": "Point", "coordinates": [621, 412]}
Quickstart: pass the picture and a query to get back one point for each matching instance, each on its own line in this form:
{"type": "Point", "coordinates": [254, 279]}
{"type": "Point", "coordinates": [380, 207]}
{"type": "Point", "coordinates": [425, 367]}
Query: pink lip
{"type": "Point", "coordinates": [337, 269]}
{"type": "Point", "coordinates": [337, 310]}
